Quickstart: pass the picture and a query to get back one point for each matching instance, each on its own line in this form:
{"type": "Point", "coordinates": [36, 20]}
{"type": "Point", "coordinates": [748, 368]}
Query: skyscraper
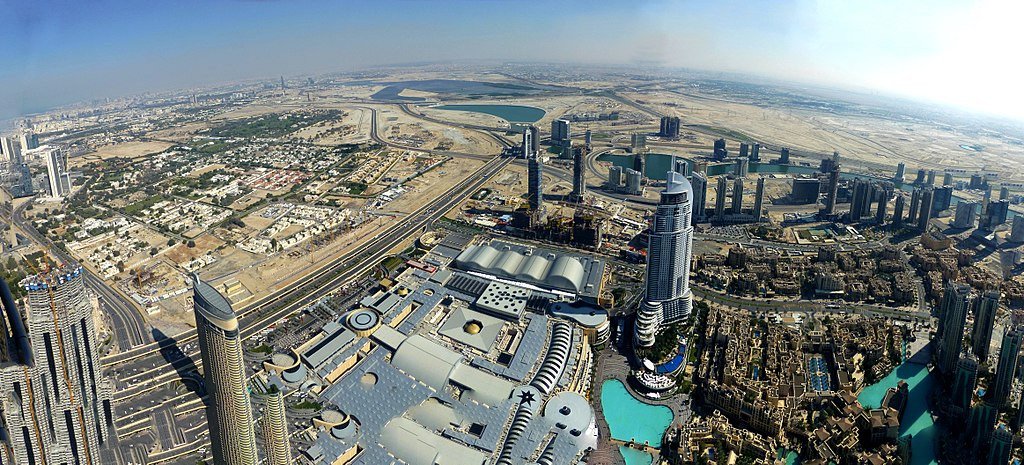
{"type": "Point", "coordinates": [699, 183]}
{"type": "Point", "coordinates": [1001, 447]}
{"type": "Point", "coordinates": [1004, 193]}
{"type": "Point", "coordinates": [915, 206]}
{"type": "Point", "coordinates": [901, 170]}
{"type": "Point", "coordinates": [275, 429]}
{"type": "Point", "coordinates": [963, 384]}
{"type": "Point", "coordinates": [579, 181]}
{"type": "Point", "coordinates": [588, 139]}
{"type": "Point", "coordinates": [758, 199]}
{"type": "Point", "coordinates": [56, 171]}
{"type": "Point", "coordinates": [985, 308]}
{"type": "Point", "coordinates": [833, 191]}
{"type": "Point", "coordinates": [229, 411]}
{"type": "Point", "coordinates": [980, 424]}
{"type": "Point", "coordinates": [942, 199]}
{"type": "Point", "coordinates": [720, 198]}
{"type": "Point", "coordinates": [755, 152]}
{"type": "Point", "coordinates": [719, 151]}
{"type": "Point", "coordinates": [861, 198]}
{"type": "Point", "coordinates": [10, 150]}
{"type": "Point", "coordinates": [29, 140]}
{"type": "Point", "coordinates": [921, 175]}
{"type": "Point", "coordinates": [534, 139]}
{"type": "Point", "coordinates": [956, 300]}
{"type": "Point", "coordinates": [965, 214]}
{"type": "Point", "coordinates": [57, 403]}
{"type": "Point", "coordinates": [742, 167]}
{"type": "Point", "coordinates": [784, 156]}
{"type": "Point", "coordinates": [947, 179]}
{"type": "Point", "coordinates": [638, 141]}
{"type": "Point", "coordinates": [560, 133]}
{"type": "Point", "coordinates": [931, 178]}
{"type": "Point", "coordinates": [614, 177]}
{"type": "Point", "coordinates": [744, 150]}
{"type": "Point", "coordinates": [667, 298]}
{"type": "Point", "coordinates": [535, 180]}
{"type": "Point", "coordinates": [1006, 369]}
{"type": "Point", "coordinates": [883, 205]}
{"type": "Point", "coordinates": [927, 197]}
{"type": "Point", "coordinates": [1017, 230]}
{"type": "Point", "coordinates": [527, 143]}
{"type": "Point", "coordinates": [995, 215]}
{"type": "Point", "coordinates": [897, 209]}
{"type": "Point", "coordinates": [634, 182]}
{"type": "Point", "coordinates": [669, 127]}
{"type": "Point", "coordinates": [737, 196]}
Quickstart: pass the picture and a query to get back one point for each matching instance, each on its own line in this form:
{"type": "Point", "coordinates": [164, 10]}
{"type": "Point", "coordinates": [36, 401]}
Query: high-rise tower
{"type": "Point", "coordinates": [1006, 370]}
{"type": "Point", "coordinates": [985, 308]}
{"type": "Point", "coordinates": [963, 384]}
{"type": "Point", "coordinates": [229, 411]}
{"type": "Point", "coordinates": [699, 182]}
{"type": "Point", "coordinates": [535, 180]}
{"type": "Point", "coordinates": [667, 298]}
{"type": "Point", "coordinates": [758, 199]}
{"type": "Point", "coordinates": [720, 198]}
{"type": "Point", "coordinates": [56, 406]}
{"type": "Point", "coordinates": [737, 196]}
{"type": "Point", "coordinates": [56, 171]}
{"type": "Point", "coordinates": [275, 429]}
{"type": "Point", "coordinates": [956, 300]}
{"type": "Point", "coordinates": [579, 182]}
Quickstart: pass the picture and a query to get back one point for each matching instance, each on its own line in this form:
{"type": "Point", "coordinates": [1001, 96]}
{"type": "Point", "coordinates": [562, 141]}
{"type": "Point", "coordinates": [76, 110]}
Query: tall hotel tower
{"type": "Point", "coordinates": [229, 412]}
{"type": "Point", "coordinates": [668, 298]}
{"type": "Point", "coordinates": [56, 403]}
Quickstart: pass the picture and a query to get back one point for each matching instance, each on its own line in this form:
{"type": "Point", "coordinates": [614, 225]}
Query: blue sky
{"type": "Point", "coordinates": [56, 52]}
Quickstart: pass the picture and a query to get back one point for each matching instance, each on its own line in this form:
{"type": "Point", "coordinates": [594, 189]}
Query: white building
{"type": "Point", "coordinates": [56, 173]}
{"type": "Point", "coordinates": [668, 298]}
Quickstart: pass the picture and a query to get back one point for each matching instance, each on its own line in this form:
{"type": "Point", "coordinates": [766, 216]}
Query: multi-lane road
{"type": "Point", "coordinates": [127, 321]}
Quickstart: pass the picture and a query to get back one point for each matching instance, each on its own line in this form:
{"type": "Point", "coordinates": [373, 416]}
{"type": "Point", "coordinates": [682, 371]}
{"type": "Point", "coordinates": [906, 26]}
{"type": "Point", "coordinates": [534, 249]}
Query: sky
{"type": "Point", "coordinates": [961, 53]}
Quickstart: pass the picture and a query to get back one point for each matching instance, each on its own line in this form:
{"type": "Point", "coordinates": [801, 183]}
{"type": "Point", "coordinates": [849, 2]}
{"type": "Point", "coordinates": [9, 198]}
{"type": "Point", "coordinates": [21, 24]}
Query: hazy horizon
{"type": "Point", "coordinates": [64, 52]}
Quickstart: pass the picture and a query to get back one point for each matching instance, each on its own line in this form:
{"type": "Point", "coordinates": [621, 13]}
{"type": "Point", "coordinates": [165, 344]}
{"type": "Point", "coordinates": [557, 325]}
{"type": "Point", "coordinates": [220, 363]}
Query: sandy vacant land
{"type": "Point", "coordinates": [434, 183]}
{"type": "Point", "coordinates": [397, 126]}
{"type": "Point", "coordinates": [122, 150]}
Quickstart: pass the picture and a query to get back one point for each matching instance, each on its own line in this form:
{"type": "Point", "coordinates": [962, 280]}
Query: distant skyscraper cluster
{"type": "Point", "coordinates": [56, 403]}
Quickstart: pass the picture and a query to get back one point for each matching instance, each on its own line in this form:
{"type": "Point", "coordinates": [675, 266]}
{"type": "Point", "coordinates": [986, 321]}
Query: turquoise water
{"type": "Point", "coordinates": [917, 420]}
{"type": "Point", "coordinates": [635, 457]}
{"type": "Point", "coordinates": [791, 456]}
{"type": "Point", "coordinates": [510, 113]}
{"type": "Point", "coordinates": [632, 420]}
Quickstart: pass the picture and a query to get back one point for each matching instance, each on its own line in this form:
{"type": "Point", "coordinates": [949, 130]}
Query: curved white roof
{"type": "Point", "coordinates": [565, 272]}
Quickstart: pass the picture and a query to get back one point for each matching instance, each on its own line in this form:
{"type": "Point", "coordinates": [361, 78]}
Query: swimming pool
{"type": "Point", "coordinates": [630, 419]}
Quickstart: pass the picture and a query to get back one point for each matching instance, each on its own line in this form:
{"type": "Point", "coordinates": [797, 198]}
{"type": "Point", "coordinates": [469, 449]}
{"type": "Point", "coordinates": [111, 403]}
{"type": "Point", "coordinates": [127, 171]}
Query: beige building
{"type": "Point", "coordinates": [275, 429]}
{"type": "Point", "coordinates": [230, 412]}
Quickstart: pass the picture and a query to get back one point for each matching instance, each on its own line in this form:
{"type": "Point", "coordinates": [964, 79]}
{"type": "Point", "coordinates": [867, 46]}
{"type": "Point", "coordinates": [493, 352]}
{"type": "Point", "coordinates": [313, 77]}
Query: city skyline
{"type": "Point", "coordinates": [66, 53]}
